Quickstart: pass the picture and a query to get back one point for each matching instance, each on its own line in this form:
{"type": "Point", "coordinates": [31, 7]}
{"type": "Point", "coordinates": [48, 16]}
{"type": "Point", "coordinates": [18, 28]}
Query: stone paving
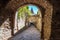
{"type": "Point", "coordinates": [29, 34]}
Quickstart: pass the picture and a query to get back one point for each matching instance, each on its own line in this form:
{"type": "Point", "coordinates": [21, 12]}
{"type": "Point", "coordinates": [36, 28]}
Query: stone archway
{"type": "Point", "coordinates": [46, 13]}
{"type": "Point", "coordinates": [37, 16]}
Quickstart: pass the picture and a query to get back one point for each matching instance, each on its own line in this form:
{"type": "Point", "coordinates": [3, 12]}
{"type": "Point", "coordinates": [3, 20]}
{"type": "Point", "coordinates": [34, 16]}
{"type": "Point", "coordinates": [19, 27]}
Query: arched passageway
{"type": "Point", "coordinates": [28, 16]}
{"type": "Point", "coordinates": [46, 9]}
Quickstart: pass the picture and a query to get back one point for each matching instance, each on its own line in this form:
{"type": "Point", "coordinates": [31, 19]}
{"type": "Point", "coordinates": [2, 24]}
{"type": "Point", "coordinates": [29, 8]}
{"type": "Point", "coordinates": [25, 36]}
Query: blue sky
{"type": "Point", "coordinates": [35, 9]}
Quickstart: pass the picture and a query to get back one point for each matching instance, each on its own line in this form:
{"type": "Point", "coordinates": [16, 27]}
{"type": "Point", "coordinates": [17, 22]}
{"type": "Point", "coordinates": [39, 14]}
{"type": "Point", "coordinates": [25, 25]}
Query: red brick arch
{"type": "Point", "coordinates": [45, 7]}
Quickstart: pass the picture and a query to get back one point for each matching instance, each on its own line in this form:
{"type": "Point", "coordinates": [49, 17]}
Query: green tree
{"type": "Point", "coordinates": [23, 12]}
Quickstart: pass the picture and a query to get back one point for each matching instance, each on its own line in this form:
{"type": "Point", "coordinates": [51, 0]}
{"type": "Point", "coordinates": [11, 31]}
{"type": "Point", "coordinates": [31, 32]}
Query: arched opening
{"type": "Point", "coordinates": [12, 6]}
{"type": "Point", "coordinates": [28, 15]}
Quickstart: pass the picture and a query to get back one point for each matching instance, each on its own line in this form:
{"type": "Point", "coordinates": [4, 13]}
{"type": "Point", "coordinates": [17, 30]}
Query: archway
{"type": "Point", "coordinates": [46, 13]}
{"type": "Point", "coordinates": [33, 17]}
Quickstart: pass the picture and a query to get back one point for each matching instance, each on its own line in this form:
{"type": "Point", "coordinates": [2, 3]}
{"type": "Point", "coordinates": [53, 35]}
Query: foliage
{"type": "Point", "coordinates": [23, 11]}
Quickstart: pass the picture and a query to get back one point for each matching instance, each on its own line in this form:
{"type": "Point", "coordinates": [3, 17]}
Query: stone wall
{"type": "Point", "coordinates": [5, 28]}
{"type": "Point", "coordinates": [55, 26]}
